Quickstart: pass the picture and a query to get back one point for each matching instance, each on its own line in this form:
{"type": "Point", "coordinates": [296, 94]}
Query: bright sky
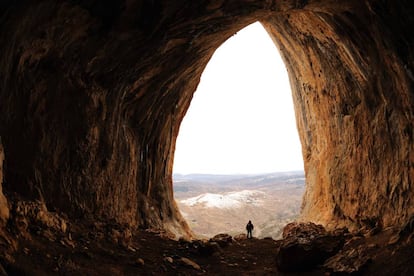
{"type": "Point", "coordinates": [241, 119]}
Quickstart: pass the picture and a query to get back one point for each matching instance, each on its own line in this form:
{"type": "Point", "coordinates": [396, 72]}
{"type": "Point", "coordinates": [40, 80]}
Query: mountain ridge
{"type": "Point", "coordinates": [214, 204]}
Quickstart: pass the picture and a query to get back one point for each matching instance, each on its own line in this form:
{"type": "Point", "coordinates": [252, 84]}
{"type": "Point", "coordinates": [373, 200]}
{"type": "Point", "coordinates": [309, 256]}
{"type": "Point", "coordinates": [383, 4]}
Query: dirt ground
{"type": "Point", "coordinates": [91, 250]}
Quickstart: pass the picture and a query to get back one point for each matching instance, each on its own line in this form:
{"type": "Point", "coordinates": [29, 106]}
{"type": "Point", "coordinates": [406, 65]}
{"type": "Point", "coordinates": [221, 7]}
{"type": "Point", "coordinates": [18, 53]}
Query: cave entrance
{"type": "Point", "coordinates": [238, 140]}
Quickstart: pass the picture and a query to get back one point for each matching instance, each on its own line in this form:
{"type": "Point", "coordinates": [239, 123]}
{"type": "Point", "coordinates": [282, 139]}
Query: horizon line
{"type": "Point", "coordinates": [258, 173]}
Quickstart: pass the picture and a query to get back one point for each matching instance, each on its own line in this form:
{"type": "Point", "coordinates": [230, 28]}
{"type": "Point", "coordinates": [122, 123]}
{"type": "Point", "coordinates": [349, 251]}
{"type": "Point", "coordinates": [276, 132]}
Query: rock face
{"type": "Point", "coordinates": [351, 73]}
{"type": "Point", "coordinates": [304, 246]}
{"type": "Point", "coordinates": [4, 208]}
{"type": "Point", "coordinates": [92, 94]}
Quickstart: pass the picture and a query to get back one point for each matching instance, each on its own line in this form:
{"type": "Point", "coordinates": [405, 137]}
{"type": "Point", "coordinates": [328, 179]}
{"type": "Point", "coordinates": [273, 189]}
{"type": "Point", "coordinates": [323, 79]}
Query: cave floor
{"type": "Point", "coordinates": [92, 252]}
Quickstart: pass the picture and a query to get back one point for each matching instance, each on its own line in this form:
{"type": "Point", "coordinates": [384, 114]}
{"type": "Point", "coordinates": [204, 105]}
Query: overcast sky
{"type": "Point", "coordinates": [241, 119]}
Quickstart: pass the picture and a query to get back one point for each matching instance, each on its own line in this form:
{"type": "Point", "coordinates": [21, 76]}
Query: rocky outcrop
{"type": "Point", "coordinates": [92, 94]}
{"type": "Point", "coordinates": [304, 246]}
{"type": "Point", "coordinates": [222, 239]}
{"type": "Point", "coordinates": [4, 208]}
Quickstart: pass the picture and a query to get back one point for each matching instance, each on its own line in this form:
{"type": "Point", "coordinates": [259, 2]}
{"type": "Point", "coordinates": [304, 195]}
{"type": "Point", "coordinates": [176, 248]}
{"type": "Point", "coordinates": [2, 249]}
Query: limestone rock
{"type": "Point", "coordinates": [30, 214]}
{"type": "Point", "coordinates": [117, 233]}
{"type": "Point", "coordinates": [140, 262]}
{"type": "Point", "coordinates": [169, 259]}
{"type": "Point", "coordinates": [354, 257]}
{"type": "Point", "coordinates": [191, 263]}
{"type": "Point", "coordinates": [222, 239]}
{"type": "Point", "coordinates": [4, 208]}
{"type": "Point", "coordinates": [201, 247]}
{"type": "Point", "coordinates": [240, 237]}
{"type": "Point", "coordinates": [348, 261]}
{"type": "Point", "coordinates": [305, 246]}
{"type": "Point", "coordinates": [303, 230]}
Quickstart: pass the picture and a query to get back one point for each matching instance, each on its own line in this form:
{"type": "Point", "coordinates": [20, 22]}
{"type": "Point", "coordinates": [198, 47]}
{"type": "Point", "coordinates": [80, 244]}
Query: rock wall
{"type": "Point", "coordinates": [93, 92]}
{"type": "Point", "coordinates": [4, 208]}
{"type": "Point", "coordinates": [352, 79]}
{"type": "Point", "coordinates": [351, 71]}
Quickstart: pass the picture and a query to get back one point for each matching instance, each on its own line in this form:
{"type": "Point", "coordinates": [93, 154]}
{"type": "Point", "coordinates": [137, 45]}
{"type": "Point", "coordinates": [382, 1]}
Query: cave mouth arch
{"type": "Point", "coordinates": [337, 73]}
{"type": "Point", "coordinates": [240, 124]}
{"type": "Point", "coordinates": [115, 89]}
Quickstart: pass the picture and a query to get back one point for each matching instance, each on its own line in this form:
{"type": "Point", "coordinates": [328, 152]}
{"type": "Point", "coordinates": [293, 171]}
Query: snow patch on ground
{"type": "Point", "coordinates": [227, 200]}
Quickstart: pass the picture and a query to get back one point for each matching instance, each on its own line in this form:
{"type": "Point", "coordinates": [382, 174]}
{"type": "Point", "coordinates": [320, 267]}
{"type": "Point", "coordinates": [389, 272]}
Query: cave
{"type": "Point", "coordinates": [92, 94]}
{"type": "Point", "coordinates": [241, 118]}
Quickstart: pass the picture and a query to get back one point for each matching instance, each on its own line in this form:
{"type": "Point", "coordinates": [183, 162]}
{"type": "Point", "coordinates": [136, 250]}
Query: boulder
{"type": "Point", "coordinates": [352, 260]}
{"type": "Point", "coordinates": [306, 245]}
{"type": "Point", "coordinates": [190, 263]}
{"type": "Point", "coordinates": [33, 216]}
{"type": "Point", "coordinates": [208, 248]}
{"type": "Point", "coordinates": [222, 239]}
{"type": "Point", "coordinates": [309, 229]}
{"type": "Point", "coordinates": [240, 237]}
{"type": "Point", "coordinates": [202, 247]}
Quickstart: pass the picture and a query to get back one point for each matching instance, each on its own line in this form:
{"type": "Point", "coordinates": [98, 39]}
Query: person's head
{"type": "Point", "coordinates": [250, 221]}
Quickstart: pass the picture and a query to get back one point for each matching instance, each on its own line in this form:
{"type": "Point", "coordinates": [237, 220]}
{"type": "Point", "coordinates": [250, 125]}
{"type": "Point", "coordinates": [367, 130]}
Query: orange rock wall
{"type": "Point", "coordinates": [353, 93]}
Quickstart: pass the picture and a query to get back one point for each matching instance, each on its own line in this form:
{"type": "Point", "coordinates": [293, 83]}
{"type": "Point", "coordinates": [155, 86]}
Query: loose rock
{"type": "Point", "coordinates": [222, 239]}
{"type": "Point", "coordinates": [191, 263]}
{"type": "Point", "coordinates": [140, 262]}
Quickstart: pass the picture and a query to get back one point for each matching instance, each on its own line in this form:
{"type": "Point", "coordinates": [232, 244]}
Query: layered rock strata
{"type": "Point", "coordinates": [92, 94]}
{"type": "Point", "coordinates": [352, 81]}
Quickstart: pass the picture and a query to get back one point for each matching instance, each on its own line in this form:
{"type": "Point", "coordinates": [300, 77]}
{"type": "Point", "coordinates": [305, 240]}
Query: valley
{"type": "Point", "coordinates": [214, 204]}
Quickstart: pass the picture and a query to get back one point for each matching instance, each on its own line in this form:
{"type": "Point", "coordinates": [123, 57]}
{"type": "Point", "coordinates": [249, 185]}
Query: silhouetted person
{"type": "Point", "coordinates": [249, 228]}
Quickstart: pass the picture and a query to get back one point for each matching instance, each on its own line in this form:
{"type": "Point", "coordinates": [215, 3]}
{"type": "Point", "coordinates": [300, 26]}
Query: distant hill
{"type": "Point", "coordinates": [215, 204]}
